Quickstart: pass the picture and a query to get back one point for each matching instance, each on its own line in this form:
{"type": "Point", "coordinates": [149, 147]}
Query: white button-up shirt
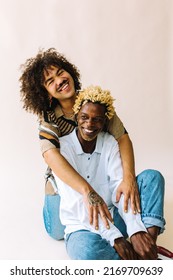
{"type": "Point", "coordinates": [103, 171]}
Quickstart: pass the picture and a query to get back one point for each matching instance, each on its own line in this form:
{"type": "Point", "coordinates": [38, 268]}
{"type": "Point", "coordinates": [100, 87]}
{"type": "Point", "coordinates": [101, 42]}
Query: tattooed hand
{"type": "Point", "coordinates": [94, 199]}
{"type": "Point", "coordinates": [96, 206]}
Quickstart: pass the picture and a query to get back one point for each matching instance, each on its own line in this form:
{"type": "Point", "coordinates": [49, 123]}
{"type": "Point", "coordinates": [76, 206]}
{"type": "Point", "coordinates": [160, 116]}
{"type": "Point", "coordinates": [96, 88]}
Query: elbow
{"type": "Point", "coordinates": [49, 154]}
{"type": "Point", "coordinates": [46, 156]}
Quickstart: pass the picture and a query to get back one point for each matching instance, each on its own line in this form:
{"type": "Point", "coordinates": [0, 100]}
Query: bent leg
{"type": "Point", "coordinates": [151, 188]}
{"type": "Point", "coordinates": [51, 217]}
{"type": "Point", "coordinates": [86, 245]}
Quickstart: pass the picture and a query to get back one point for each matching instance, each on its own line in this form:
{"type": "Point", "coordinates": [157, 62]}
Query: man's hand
{"type": "Point", "coordinates": [96, 206]}
{"type": "Point", "coordinates": [144, 246]}
{"type": "Point", "coordinates": [125, 249]}
{"type": "Point", "coordinates": [130, 190]}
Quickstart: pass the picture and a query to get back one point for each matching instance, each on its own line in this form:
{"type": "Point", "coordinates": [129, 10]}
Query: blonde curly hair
{"type": "Point", "coordinates": [95, 94]}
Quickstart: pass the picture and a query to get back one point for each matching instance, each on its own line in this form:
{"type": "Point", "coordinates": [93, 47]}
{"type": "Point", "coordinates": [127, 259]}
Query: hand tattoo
{"type": "Point", "coordinates": [94, 199]}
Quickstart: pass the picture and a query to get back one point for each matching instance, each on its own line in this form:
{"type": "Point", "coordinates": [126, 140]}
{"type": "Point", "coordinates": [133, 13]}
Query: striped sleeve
{"type": "Point", "coordinates": [49, 136]}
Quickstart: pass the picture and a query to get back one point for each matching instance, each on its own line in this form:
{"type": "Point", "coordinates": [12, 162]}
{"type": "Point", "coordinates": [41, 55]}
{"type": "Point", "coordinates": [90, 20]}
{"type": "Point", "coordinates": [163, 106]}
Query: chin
{"type": "Point", "coordinates": [89, 139]}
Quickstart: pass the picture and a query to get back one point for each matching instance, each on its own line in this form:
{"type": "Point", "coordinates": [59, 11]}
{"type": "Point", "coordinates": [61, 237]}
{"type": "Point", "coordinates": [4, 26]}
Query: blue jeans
{"type": "Point", "coordinates": [151, 190]}
{"type": "Point", "coordinates": [51, 217]}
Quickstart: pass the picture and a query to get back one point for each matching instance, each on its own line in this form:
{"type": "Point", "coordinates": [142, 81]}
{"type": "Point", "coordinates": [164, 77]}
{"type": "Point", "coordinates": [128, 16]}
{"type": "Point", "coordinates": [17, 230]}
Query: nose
{"type": "Point", "coordinates": [90, 123]}
{"type": "Point", "coordinates": [58, 81]}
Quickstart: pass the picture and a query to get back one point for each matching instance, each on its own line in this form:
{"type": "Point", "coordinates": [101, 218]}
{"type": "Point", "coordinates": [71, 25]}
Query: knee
{"type": "Point", "coordinates": [152, 178]}
{"type": "Point", "coordinates": [154, 175]}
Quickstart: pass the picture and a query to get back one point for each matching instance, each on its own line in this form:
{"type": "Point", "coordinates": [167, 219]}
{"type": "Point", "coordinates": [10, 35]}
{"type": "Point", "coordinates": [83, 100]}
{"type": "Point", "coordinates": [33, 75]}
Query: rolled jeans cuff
{"type": "Point", "coordinates": [153, 221]}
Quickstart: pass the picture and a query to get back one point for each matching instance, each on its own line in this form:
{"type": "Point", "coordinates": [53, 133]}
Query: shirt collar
{"type": "Point", "coordinates": [78, 147]}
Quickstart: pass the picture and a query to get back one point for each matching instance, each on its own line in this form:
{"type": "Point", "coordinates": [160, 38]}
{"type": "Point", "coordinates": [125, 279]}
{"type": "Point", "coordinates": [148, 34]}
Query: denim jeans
{"type": "Point", "coordinates": [51, 217]}
{"type": "Point", "coordinates": [85, 245]}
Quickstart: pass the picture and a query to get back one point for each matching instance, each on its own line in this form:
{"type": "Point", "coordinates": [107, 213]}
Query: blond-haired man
{"type": "Point", "coordinates": [95, 155]}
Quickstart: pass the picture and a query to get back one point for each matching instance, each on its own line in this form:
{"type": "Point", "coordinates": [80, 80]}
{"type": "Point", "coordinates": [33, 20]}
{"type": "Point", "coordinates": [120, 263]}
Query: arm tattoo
{"type": "Point", "coordinates": [94, 199]}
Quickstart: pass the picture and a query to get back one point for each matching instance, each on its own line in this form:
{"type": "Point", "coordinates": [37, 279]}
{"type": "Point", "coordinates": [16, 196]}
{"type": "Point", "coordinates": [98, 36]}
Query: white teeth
{"type": "Point", "coordinates": [88, 130]}
{"type": "Point", "coordinates": [64, 87]}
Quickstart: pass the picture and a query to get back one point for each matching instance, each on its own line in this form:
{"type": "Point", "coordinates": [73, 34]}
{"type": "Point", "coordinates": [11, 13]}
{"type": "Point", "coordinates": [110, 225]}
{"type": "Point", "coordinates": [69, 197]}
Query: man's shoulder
{"type": "Point", "coordinates": [106, 142]}
{"type": "Point", "coordinates": [107, 138]}
{"type": "Point", "coordinates": [69, 141]}
{"type": "Point", "coordinates": [67, 138]}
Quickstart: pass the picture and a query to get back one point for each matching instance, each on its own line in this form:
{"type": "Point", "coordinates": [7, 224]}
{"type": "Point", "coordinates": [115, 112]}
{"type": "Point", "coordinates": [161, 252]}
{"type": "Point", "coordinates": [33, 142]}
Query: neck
{"type": "Point", "coordinates": [67, 105]}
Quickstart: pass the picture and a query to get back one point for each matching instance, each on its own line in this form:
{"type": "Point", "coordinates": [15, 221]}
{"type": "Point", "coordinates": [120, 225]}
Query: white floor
{"type": "Point", "coordinates": [30, 242]}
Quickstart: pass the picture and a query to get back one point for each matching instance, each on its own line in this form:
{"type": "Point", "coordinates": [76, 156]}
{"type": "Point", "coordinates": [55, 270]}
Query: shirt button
{"type": "Point", "coordinates": [89, 158]}
{"type": "Point", "coordinates": [88, 176]}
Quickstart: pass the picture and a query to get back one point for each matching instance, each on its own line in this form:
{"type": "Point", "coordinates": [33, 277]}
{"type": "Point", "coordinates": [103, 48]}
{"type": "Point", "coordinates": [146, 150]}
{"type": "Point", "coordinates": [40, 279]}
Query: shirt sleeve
{"type": "Point", "coordinates": [109, 234]}
{"type": "Point", "coordinates": [115, 127]}
{"type": "Point", "coordinates": [133, 222]}
{"type": "Point", "coordinates": [48, 136]}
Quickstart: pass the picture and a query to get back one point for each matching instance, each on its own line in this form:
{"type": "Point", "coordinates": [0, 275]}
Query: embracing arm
{"type": "Point", "coordinates": [129, 185]}
{"type": "Point", "coordinates": [65, 171]}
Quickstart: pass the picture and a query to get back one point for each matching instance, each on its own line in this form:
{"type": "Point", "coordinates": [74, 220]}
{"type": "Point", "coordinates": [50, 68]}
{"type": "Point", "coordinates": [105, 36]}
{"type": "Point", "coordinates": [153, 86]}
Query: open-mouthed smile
{"type": "Point", "coordinates": [89, 132]}
{"type": "Point", "coordinates": [63, 86]}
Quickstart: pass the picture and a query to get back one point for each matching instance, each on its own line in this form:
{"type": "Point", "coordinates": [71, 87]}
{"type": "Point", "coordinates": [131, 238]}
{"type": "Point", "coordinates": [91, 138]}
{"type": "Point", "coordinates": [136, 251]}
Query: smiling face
{"type": "Point", "coordinates": [59, 83]}
{"type": "Point", "coordinates": [91, 119]}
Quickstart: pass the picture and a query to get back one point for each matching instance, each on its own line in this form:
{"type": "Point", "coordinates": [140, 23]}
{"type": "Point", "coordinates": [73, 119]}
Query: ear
{"type": "Point", "coordinates": [76, 118]}
{"type": "Point", "coordinates": [105, 120]}
{"type": "Point", "coordinates": [105, 123]}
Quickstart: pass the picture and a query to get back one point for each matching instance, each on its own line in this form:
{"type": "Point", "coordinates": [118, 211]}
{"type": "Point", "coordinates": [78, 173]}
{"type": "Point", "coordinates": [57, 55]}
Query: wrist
{"type": "Point", "coordinates": [136, 235]}
{"type": "Point", "coordinates": [86, 189]}
{"type": "Point", "coordinates": [129, 176]}
{"type": "Point", "coordinates": [118, 239]}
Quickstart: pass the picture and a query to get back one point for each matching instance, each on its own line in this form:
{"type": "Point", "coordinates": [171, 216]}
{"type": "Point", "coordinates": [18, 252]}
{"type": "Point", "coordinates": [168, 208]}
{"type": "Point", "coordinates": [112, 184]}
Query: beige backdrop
{"type": "Point", "coordinates": [122, 45]}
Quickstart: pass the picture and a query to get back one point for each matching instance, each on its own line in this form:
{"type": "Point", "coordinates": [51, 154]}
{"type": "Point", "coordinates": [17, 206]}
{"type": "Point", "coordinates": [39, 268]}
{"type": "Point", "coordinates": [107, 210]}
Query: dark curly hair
{"type": "Point", "coordinates": [33, 93]}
